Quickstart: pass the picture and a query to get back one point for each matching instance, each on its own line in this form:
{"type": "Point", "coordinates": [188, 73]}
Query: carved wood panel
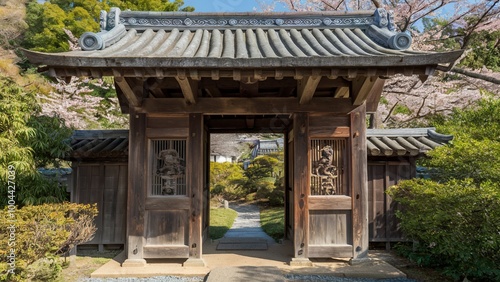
{"type": "Point", "coordinates": [328, 167]}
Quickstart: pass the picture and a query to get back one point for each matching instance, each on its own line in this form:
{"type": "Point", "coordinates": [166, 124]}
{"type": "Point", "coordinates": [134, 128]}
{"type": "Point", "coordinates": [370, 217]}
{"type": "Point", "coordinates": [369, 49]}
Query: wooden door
{"type": "Point", "coordinates": [167, 204]}
{"type": "Point", "coordinates": [330, 202]}
{"type": "Point", "coordinates": [334, 198]}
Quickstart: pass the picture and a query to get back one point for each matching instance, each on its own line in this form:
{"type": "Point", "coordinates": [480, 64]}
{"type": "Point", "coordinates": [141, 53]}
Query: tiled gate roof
{"type": "Point", "coordinates": [102, 144]}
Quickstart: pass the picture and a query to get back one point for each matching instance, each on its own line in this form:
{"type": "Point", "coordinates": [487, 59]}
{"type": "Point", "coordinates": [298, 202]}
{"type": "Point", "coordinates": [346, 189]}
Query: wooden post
{"type": "Point", "coordinates": [194, 173]}
{"type": "Point", "coordinates": [136, 190]}
{"type": "Point", "coordinates": [301, 189]}
{"type": "Point", "coordinates": [359, 182]}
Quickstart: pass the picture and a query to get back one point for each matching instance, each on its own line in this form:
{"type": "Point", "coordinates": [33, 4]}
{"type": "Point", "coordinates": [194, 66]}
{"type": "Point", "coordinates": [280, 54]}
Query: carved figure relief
{"type": "Point", "coordinates": [172, 168]}
{"type": "Point", "coordinates": [326, 171]}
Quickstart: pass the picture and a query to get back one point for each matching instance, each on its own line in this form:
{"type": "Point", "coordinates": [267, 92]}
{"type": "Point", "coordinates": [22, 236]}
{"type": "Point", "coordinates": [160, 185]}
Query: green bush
{"type": "Point", "coordinates": [455, 225]}
{"type": "Point", "coordinates": [39, 234]}
{"type": "Point", "coordinates": [227, 180]}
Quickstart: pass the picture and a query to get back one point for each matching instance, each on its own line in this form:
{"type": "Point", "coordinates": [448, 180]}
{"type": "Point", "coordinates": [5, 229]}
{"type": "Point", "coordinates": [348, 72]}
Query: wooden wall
{"type": "Point", "coordinates": [383, 224]}
{"type": "Point", "coordinates": [106, 185]}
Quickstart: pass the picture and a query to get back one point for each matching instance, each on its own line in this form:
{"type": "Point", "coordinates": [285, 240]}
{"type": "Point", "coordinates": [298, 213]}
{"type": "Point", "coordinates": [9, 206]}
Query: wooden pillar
{"type": "Point", "coordinates": [194, 173]}
{"type": "Point", "coordinates": [136, 190]}
{"type": "Point", "coordinates": [300, 189]}
{"type": "Point", "coordinates": [359, 182]}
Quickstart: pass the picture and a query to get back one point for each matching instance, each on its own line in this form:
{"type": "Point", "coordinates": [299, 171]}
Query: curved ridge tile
{"type": "Point", "coordinates": [302, 43]}
{"type": "Point", "coordinates": [181, 44]}
{"type": "Point", "coordinates": [241, 46]}
{"type": "Point", "coordinates": [264, 44]}
{"type": "Point", "coordinates": [348, 42]}
{"type": "Point", "coordinates": [320, 37]}
{"type": "Point", "coordinates": [252, 44]}
{"type": "Point", "coordinates": [228, 46]}
{"type": "Point", "coordinates": [154, 43]}
{"type": "Point", "coordinates": [204, 45]}
{"type": "Point", "coordinates": [336, 42]}
{"type": "Point", "coordinates": [215, 44]}
{"type": "Point", "coordinates": [278, 44]}
{"type": "Point", "coordinates": [166, 45]}
{"type": "Point", "coordinates": [313, 43]}
{"type": "Point", "coordinates": [288, 42]}
{"type": "Point", "coordinates": [361, 43]}
{"type": "Point", "coordinates": [374, 45]}
{"type": "Point", "coordinates": [126, 40]}
{"type": "Point", "coordinates": [194, 44]}
{"type": "Point", "coordinates": [138, 44]}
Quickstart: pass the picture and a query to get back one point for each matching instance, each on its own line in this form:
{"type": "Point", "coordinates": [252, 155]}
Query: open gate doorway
{"type": "Point", "coordinates": [318, 202]}
{"type": "Point", "coordinates": [237, 135]}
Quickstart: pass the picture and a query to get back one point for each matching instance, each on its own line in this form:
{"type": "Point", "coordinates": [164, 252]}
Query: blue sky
{"type": "Point", "coordinates": [223, 5]}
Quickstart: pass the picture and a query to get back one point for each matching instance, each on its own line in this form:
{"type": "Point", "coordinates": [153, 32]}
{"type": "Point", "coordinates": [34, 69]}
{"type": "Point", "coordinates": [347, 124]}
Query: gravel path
{"type": "Point", "coordinates": [288, 278]}
{"type": "Point", "coordinates": [247, 223]}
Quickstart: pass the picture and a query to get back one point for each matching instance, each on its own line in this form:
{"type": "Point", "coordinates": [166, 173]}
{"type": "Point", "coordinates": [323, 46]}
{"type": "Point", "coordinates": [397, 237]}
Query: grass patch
{"type": "Point", "coordinates": [221, 220]}
{"type": "Point", "coordinates": [273, 222]}
{"type": "Point", "coordinates": [86, 262]}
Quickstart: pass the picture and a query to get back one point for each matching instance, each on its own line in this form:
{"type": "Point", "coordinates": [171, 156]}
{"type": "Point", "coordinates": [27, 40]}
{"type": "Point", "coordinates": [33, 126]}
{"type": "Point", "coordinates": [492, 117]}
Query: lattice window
{"type": "Point", "coordinates": [168, 175]}
{"type": "Point", "coordinates": [328, 167]}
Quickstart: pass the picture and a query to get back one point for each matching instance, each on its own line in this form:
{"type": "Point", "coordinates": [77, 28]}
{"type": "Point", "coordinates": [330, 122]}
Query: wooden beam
{"type": "Point", "coordinates": [122, 100]}
{"type": "Point", "coordinates": [306, 88]}
{"type": "Point", "coordinates": [361, 89]}
{"type": "Point", "coordinates": [194, 175]}
{"type": "Point", "coordinates": [240, 106]}
{"type": "Point", "coordinates": [189, 89]}
{"type": "Point", "coordinates": [136, 183]}
{"type": "Point", "coordinates": [301, 181]}
{"type": "Point", "coordinates": [154, 86]}
{"type": "Point", "coordinates": [359, 182]}
{"type": "Point", "coordinates": [342, 92]}
{"type": "Point", "coordinates": [131, 90]}
{"type": "Point", "coordinates": [249, 90]}
{"type": "Point", "coordinates": [374, 96]}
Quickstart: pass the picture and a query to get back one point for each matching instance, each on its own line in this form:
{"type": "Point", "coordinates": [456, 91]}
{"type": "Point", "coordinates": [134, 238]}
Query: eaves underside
{"type": "Point", "coordinates": [69, 61]}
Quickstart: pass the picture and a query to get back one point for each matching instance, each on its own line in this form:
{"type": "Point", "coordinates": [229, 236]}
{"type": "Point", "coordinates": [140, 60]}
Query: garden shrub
{"type": "Point", "coordinates": [455, 225]}
{"type": "Point", "coordinates": [41, 234]}
{"type": "Point", "coordinates": [227, 180]}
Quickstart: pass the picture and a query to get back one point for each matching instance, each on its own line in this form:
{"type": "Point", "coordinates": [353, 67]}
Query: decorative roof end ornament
{"type": "Point", "coordinates": [90, 41]}
{"type": "Point", "coordinates": [383, 31]}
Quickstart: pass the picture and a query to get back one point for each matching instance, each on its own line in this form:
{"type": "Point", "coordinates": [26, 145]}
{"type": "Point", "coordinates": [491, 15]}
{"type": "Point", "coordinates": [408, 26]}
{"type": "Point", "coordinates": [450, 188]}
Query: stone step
{"type": "Point", "coordinates": [261, 246]}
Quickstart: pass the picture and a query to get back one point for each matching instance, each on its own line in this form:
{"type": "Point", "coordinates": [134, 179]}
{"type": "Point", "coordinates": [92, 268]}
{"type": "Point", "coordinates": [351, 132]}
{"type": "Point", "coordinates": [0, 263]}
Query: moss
{"type": "Point", "coordinates": [401, 109]}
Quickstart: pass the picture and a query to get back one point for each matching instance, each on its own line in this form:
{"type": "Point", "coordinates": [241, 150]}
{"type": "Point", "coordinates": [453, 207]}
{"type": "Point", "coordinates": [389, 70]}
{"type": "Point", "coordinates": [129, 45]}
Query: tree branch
{"type": "Point", "coordinates": [476, 75]}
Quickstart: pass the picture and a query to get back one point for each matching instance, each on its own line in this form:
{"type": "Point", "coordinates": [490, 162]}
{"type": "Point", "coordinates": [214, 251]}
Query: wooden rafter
{"type": "Point", "coordinates": [361, 89]}
{"type": "Point", "coordinates": [131, 89]}
{"type": "Point", "coordinates": [154, 86]}
{"type": "Point", "coordinates": [374, 96]}
{"type": "Point", "coordinates": [342, 92]}
{"type": "Point", "coordinates": [189, 89]}
{"type": "Point", "coordinates": [306, 88]}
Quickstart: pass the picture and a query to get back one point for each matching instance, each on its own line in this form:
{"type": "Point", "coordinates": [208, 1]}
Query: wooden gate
{"type": "Point", "coordinates": [166, 192]}
{"type": "Point", "coordinates": [329, 203]}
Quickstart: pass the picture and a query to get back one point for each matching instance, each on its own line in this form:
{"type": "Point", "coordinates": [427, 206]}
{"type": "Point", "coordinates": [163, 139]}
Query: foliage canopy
{"type": "Point", "coordinates": [455, 217]}
{"type": "Point", "coordinates": [30, 141]}
{"type": "Point", "coordinates": [49, 22]}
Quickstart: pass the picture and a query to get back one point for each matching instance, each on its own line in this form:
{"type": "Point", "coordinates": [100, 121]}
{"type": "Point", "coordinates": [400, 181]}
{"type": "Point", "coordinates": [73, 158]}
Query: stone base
{"type": "Point", "coordinates": [194, 262]}
{"type": "Point", "coordinates": [134, 263]}
{"type": "Point", "coordinates": [300, 262]}
{"type": "Point", "coordinates": [359, 261]}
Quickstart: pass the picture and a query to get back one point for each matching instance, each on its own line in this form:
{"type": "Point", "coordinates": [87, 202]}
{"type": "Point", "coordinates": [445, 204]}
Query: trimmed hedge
{"type": "Point", "coordinates": [455, 226]}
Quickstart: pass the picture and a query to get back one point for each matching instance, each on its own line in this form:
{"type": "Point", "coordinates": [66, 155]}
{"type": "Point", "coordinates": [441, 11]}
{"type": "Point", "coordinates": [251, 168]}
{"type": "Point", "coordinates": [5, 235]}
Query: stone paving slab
{"type": "Point", "coordinates": [242, 240]}
{"type": "Point", "coordinates": [242, 246]}
{"type": "Point", "coordinates": [246, 274]}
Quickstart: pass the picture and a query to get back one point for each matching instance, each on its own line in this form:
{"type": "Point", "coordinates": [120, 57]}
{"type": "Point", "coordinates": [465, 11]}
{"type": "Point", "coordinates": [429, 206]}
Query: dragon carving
{"type": "Point", "coordinates": [326, 171]}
